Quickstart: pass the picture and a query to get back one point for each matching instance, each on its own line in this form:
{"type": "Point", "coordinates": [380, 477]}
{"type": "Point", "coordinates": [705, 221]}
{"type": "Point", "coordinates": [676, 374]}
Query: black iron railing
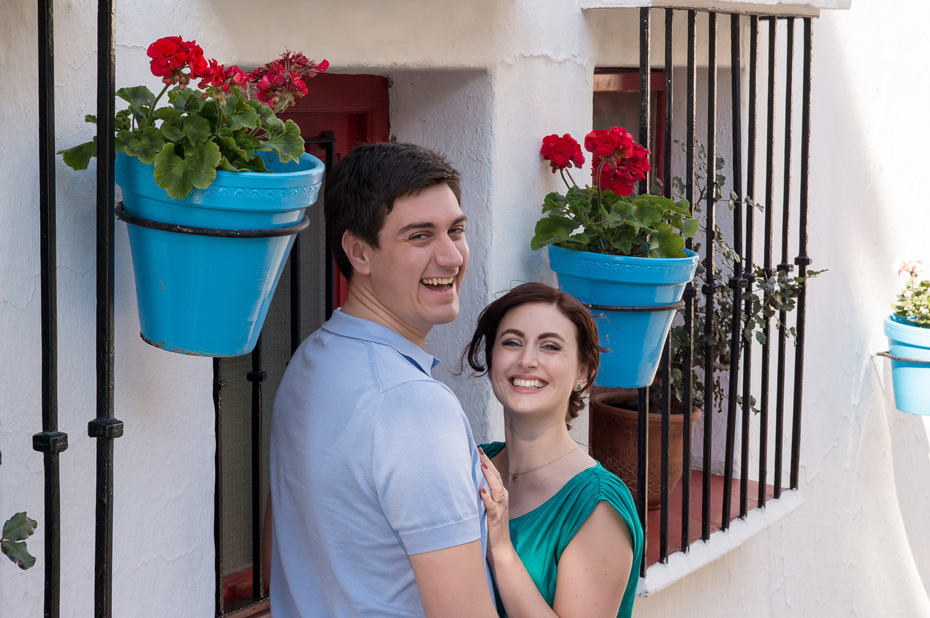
{"type": "Point", "coordinates": [257, 374]}
{"type": "Point", "coordinates": [741, 387]}
{"type": "Point", "coordinates": [50, 442]}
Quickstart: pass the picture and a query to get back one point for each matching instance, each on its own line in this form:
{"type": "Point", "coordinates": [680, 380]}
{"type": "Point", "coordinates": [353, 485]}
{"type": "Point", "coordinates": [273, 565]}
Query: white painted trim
{"type": "Point", "coordinates": [702, 553]}
{"type": "Point", "coordinates": [799, 8]}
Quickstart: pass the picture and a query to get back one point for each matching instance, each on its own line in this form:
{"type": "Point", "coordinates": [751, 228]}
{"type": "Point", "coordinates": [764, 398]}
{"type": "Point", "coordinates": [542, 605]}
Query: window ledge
{"type": "Point", "coordinates": [702, 553]}
{"type": "Point", "coordinates": [801, 8]}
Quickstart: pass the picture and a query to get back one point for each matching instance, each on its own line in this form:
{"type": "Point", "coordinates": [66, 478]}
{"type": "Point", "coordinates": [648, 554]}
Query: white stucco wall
{"type": "Point", "coordinates": [483, 81]}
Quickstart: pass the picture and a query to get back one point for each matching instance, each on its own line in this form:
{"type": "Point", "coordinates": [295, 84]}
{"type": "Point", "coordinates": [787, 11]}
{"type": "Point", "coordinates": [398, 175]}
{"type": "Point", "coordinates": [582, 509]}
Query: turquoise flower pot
{"type": "Point", "coordinates": [911, 379]}
{"type": "Point", "coordinates": [208, 295]}
{"type": "Point", "coordinates": [634, 338]}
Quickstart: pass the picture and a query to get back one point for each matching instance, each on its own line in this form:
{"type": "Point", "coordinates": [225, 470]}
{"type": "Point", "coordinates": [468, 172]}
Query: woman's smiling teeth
{"type": "Point", "coordinates": [437, 282]}
{"type": "Point", "coordinates": [521, 383]}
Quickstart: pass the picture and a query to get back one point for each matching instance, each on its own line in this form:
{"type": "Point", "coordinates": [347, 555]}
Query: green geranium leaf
{"type": "Point", "coordinates": [140, 100]}
{"type": "Point", "coordinates": [79, 156]}
{"type": "Point", "coordinates": [178, 176]}
{"type": "Point", "coordinates": [623, 245]}
{"type": "Point", "coordinates": [242, 117]}
{"type": "Point", "coordinates": [187, 100]}
{"type": "Point", "coordinates": [265, 113]}
{"type": "Point", "coordinates": [145, 144]}
{"type": "Point", "coordinates": [667, 244]}
{"type": "Point", "coordinates": [647, 214]}
{"type": "Point", "coordinates": [284, 138]}
{"type": "Point", "coordinates": [552, 230]}
{"type": "Point", "coordinates": [90, 118]}
{"type": "Point", "coordinates": [254, 164]}
{"type": "Point", "coordinates": [172, 131]}
{"type": "Point", "coordinates": [226, 166]}
{"type": "Point", "coordinates": [553, 201]}
{"type": "Point", "coordinates": [168, 114]}
{"type": "Point", "coordinates": [19, 527]}
{"type": "Point", "coordinates": [196, 130]}
{"type": "Point", "coordinates": [15, 531]}
{"type": "Point", "coordinates": [690, 227]}
{"type": "Point", "coordinates": [17, 552]}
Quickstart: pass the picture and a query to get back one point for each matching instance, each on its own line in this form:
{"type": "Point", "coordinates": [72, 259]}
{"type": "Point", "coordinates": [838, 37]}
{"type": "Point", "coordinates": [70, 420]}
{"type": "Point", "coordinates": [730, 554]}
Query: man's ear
{"type": "Point", "coordinates": [358, 251]}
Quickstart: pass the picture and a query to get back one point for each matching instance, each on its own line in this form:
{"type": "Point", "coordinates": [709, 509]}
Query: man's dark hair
{"type": "Point", "coordinates": [361, 189]}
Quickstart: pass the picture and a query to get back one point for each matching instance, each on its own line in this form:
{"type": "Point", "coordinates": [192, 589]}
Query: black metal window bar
{"type": "Point", "coordinates": [104, 427]}
{"type": "Point", "coordinates": [744, 230]}
{"type": "Point", "coordinates": [287, 312]}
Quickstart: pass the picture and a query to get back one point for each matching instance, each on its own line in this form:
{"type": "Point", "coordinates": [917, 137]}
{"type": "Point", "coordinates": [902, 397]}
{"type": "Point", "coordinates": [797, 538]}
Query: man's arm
{"type": "Point", "coordinates": [452, 583]}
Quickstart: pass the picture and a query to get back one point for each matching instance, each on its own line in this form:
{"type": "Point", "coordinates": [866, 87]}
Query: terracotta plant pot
{"type": "Point", "coordinates": [613, 436]}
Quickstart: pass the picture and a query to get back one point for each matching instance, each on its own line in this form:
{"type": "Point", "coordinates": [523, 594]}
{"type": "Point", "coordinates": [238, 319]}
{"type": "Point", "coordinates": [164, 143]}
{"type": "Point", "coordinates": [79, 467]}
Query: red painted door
{"type": "Point", "coordinates": [354, 108]}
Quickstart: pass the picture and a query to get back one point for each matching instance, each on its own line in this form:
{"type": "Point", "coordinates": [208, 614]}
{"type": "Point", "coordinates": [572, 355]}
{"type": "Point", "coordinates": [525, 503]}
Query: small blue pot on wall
{"type": "Point", "coordinates": [634, 337]}
{"type": "Point", "coordinates": [201, 289]}
{"type": "Point", "coordinates": [910, 365]}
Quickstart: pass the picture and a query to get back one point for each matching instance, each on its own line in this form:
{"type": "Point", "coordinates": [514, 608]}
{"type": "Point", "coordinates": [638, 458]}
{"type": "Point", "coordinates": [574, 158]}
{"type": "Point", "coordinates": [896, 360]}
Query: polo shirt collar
{"type": "Point", "coordinates": [359, 328]}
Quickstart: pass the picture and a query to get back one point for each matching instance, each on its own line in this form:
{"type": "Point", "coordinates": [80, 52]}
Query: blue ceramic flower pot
{"type": "Point", "coordinates": [208, 295]}
{"type": "Point", "coordinates": [634, 338]}
{"type": "Point", "coordinates": [911, 379]}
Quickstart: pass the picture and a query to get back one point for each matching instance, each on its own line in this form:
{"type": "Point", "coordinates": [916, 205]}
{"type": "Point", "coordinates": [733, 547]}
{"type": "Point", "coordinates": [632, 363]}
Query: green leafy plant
{"type": "Point", "coordinates": [913, 302]}
{"type": "Point", "coordinates": [772, 294]}
{"type": "Point", "coordinates": [215, 127]}
{"type": "Point", "coordinates": [609, 217]}
{"type": "Point", "coordinates": [13, 540]}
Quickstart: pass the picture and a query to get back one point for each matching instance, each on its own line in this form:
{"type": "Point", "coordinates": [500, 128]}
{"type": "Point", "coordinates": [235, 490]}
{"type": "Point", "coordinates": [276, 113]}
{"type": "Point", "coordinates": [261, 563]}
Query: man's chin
{"type": "Point", "coordinates": [445, 315]}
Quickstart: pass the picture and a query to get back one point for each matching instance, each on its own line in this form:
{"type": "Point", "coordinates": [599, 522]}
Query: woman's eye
{"type": "Point", "coordinates": [510, 343]}
{"type": "Point", "coordinates": [551, 347]}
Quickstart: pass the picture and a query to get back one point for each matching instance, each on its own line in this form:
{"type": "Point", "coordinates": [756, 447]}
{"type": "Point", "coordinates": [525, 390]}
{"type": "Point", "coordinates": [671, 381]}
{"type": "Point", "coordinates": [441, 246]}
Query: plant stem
{"type": "Point", "coordinates": [570, 178]}
{"type": "Point", "coordinates": [148, 120]}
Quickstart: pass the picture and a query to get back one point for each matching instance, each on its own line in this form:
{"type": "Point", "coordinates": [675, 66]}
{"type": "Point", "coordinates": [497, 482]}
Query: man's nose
{"type": "Point", "coordinates": [449, 254]}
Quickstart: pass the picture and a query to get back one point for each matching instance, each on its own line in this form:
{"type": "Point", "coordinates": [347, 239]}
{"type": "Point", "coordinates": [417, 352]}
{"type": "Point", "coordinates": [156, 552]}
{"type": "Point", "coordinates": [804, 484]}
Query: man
{"type": "Point", "coordinates": [374, 471]}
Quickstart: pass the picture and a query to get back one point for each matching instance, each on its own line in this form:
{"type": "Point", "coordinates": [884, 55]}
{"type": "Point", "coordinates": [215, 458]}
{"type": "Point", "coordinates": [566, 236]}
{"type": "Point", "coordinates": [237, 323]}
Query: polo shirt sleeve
{"type": "Point", "coordinates": [423, 466]}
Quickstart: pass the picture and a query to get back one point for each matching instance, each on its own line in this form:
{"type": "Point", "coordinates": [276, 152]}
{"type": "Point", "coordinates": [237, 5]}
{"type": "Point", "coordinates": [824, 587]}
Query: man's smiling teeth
{"type": "Point", "coordinates": [519, 383]}
{"type": "Point", "coordinates": [437, 281]}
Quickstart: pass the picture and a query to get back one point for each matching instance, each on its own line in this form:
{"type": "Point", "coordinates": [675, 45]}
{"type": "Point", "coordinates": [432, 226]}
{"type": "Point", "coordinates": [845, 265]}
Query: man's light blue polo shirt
{"type": "Point", "coordinates": [371, 460]}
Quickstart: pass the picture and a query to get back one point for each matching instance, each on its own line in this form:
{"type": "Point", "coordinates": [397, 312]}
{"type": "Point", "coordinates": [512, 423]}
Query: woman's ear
{"type": "Point", "coordinates": [584, 378]}
{"type": "Point", "coordinates": [358, 251]}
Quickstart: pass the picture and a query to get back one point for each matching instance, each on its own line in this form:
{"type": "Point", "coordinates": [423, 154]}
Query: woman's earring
{"type": "Point", "coordinates": [578, 386]}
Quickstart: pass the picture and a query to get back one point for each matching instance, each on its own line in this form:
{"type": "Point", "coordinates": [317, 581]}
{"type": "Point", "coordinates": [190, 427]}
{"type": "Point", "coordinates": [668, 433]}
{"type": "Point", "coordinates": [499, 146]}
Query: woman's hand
{"type": "Point", "coordinates": [496, 503]}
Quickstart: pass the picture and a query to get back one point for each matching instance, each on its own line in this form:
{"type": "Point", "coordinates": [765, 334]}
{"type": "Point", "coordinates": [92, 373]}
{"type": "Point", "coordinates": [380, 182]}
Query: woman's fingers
{"type": "Point", "coordinates": [498, 493]}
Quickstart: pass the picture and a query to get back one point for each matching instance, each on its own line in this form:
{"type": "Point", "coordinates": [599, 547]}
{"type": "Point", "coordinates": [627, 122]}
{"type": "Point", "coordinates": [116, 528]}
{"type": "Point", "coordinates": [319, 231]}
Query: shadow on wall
{"type": "Point", "coordinates": [846, 308]}
{"type": "Point", "coordinates": [910, 451]}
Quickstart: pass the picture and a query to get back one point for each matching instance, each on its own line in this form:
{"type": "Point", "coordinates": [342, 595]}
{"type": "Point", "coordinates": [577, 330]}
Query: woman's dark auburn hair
{"type": "Point", "coordinates": [478, 351]}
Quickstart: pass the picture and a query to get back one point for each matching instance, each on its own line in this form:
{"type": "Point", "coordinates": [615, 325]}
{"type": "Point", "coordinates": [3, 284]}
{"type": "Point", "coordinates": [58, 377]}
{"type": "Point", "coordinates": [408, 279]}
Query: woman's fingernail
{"type": "Point", "coordinates": [480, 450]}
{"type": "Point", "coordinates": [483, 491]}
{"type": "Point", "coordinates": [484, 465]}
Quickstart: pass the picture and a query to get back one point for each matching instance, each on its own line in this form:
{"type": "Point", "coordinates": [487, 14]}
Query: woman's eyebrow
{"type": "Point", "coordinates": [519, 333]}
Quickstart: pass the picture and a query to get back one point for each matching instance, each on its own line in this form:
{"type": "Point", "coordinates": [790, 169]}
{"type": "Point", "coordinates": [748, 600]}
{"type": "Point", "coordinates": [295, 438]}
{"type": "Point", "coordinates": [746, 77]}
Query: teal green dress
{"type": "Point", "coordinates": [540, 536]}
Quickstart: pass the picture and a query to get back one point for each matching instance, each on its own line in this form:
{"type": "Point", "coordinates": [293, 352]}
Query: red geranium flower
{"type": "Point", "coordinates": [561, 152]}
{"type": "Point", "coordinates": [280, 82]}
{"type": "Point", "coordinates": [171, 55]}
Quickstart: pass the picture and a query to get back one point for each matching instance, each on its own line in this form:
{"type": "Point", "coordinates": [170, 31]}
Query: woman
{"type": "Point", "coordinates": [574, 541]}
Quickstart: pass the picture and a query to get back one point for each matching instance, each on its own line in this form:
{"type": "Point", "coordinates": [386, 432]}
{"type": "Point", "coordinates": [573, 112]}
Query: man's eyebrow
{"type": "Point", "coordinates": [428, 225]}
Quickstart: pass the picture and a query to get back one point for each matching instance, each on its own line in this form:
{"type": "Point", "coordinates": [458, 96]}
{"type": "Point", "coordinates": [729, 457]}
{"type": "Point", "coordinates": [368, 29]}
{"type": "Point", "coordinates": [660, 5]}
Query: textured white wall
{"type": "Point", "coordinates": [482, 81]}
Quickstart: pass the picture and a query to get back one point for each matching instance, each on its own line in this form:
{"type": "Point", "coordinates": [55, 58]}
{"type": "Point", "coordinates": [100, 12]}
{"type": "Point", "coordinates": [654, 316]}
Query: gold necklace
{"type": "Point", "coordinates": [515, 476]}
